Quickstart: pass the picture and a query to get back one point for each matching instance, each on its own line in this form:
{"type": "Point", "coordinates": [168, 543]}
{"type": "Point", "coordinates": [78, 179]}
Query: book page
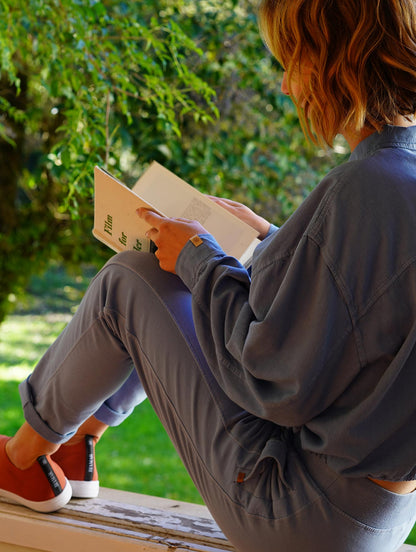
{"type": "Point", "coordinates": [175, 198]}
{"type": "Point", "coordinates": [116, 222]}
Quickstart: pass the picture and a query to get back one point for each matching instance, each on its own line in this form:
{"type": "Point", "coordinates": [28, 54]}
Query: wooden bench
{"type": "Point", "coordinates": [115, 521]}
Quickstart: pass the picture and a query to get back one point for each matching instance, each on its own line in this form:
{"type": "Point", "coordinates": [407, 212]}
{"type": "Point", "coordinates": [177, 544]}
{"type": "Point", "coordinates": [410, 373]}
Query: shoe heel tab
{"type": "Point", "coordinates": [50, 474]}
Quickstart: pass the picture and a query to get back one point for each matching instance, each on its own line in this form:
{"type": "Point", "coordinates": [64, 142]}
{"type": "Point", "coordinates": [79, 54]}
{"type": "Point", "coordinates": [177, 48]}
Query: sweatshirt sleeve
{"type": "Point", "coordinates": [271, 342]}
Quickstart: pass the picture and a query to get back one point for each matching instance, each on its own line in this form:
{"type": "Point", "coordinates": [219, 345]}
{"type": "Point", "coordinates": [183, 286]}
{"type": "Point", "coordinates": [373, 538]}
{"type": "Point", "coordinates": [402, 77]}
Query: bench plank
{"type": "Point", "coordinates": [116, 520]}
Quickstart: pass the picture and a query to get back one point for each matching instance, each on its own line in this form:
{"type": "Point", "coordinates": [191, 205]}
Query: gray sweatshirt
{"type": "Point", "coordinates": [322, 337]}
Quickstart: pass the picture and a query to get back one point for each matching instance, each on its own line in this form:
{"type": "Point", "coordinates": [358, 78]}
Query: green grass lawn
{"type": "Point", "coordinates": [137, 456]}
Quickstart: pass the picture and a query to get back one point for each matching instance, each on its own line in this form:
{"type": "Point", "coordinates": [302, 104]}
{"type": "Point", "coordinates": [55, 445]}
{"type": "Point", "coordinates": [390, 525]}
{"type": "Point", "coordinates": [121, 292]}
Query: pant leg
{"type": "Point", "coordinates": [247, 470]}
{"type": "Point", "coordinates": [121, 404]}
{"type": "Point", "coordinates": [133, 311]}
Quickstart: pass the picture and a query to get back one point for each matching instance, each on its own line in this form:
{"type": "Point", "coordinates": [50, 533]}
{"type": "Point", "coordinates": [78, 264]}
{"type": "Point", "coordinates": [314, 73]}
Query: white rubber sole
{"type": "Point", "coordinates": [85, 489]}
{"type": "Point", "coordinates": [45, 506]}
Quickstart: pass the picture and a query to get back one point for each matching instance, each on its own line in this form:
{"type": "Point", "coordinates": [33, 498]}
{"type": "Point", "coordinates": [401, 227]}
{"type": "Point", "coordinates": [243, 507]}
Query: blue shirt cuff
{"type": "Point", "coordinates": [271, 231]}
{"type": "Point", "coordinates": [193, 259]}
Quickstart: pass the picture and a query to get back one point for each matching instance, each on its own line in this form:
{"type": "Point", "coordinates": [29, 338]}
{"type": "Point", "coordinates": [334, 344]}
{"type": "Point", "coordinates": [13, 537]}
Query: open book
{"type": "Point", "coordinates": [117, 224]}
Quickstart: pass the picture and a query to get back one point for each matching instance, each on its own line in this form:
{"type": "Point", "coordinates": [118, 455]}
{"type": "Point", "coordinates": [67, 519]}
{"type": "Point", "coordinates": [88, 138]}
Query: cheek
{"type": "Point", "coordinates": [295, 88]}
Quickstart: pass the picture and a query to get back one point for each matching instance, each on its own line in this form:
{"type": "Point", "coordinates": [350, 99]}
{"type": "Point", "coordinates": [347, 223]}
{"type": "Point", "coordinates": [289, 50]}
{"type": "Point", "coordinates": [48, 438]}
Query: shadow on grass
{"type": "Point", "coordinates": [56, 291]}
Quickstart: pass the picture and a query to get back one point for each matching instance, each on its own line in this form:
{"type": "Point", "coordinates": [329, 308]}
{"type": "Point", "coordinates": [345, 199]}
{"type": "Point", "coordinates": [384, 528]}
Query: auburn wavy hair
{"type": "Point", "coordinates": [361, 56]}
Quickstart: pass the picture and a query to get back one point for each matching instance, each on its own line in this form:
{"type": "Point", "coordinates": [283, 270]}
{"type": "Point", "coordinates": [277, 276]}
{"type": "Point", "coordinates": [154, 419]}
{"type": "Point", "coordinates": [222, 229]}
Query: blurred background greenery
{"type": "Point", "coordinates": [119, 84]}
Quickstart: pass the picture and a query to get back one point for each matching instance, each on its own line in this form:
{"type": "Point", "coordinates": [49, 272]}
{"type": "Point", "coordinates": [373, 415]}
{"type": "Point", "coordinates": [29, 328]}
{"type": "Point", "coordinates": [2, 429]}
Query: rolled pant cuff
{"type": "Point", "coordinates": [34, 420]}
{"type": "Point", "coordinates": [112, 418]}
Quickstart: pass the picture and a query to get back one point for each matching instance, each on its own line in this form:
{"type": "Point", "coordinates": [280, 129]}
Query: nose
{"type": "Point", "coordinates": [284, 88]}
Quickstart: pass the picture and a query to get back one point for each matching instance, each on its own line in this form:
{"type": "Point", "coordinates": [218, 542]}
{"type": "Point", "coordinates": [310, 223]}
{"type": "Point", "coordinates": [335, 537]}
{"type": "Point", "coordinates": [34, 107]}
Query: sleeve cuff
{"type": "Point", "coordinates": [271, 231]}
{"type": "Point", "coordinates": [194, 257]}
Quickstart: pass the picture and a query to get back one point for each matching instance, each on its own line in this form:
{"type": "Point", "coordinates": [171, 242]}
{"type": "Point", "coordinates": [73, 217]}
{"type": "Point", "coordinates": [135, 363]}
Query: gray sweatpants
{"type": "Point", "coordinates": [266, 494]}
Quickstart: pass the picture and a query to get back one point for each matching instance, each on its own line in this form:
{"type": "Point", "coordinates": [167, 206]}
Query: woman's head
{"type": "Point", "coordinates": [353, 61]}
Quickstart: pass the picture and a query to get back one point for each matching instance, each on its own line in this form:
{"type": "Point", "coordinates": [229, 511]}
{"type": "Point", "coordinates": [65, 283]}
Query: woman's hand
{"type": "Point", "coordinates": [170, 236]}
{"type": "Point", "coordinates": [245, 214]}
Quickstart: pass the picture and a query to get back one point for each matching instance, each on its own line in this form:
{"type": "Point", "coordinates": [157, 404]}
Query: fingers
{"type": "Point", "coordinates": [151, 217]}
{"type": "Point", "coordinates": [223, 200]}
{"type": "Point", "coordinates": [156, 221]}
{"type": "Point", "coordinates": [152, 234]}
{"type": "Point", "coordinates": [170, 236]}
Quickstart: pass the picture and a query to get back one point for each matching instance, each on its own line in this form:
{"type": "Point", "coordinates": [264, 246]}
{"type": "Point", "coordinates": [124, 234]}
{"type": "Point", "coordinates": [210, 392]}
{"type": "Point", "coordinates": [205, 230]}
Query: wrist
{"type": "Point", "coordinates": [265, 229]}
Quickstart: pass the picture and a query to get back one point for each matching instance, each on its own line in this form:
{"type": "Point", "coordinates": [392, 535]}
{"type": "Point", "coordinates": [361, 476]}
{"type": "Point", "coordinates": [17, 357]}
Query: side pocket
{"type": "Point", "coordinates": [260, 485]}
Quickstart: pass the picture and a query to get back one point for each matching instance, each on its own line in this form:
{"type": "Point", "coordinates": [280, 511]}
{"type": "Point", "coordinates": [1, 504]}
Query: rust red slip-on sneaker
{"type": "Point", "coordinates": [78, 464]}
{"type": "Point", "coordinates": [42, 487]}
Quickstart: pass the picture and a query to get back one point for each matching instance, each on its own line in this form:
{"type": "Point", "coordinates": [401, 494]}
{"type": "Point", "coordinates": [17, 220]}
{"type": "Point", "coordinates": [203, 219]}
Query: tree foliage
{"type": "Point", "coordinates": [85, 82]}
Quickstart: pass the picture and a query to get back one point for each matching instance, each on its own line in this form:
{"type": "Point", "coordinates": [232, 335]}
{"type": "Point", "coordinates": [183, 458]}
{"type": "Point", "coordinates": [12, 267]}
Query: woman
{"type": "Point", "coordinates": [289, 395]}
